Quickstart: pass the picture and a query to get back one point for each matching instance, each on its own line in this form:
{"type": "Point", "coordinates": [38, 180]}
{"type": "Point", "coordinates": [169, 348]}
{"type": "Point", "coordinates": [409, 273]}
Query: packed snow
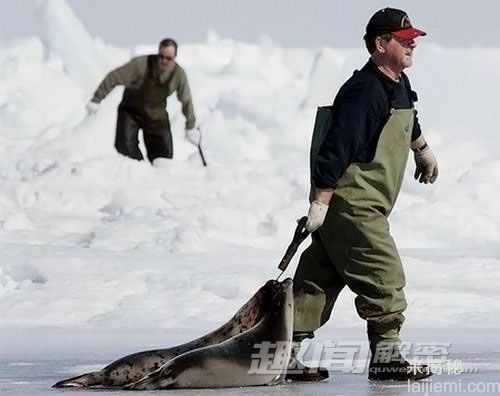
{"type": "Point", "coordinates": [96, 241]}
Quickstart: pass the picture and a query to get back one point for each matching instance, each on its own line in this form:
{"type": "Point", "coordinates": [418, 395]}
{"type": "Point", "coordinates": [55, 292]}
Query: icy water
{"type": "Point", "coordinates": [34, 378]}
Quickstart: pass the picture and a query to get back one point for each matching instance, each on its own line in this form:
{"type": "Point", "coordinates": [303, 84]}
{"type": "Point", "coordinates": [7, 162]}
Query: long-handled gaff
{"type": "Point", "coordinates": [200, 151]}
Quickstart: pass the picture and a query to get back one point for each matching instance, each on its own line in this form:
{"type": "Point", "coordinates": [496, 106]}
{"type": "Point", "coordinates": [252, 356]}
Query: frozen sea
{"type": "Point", "coordinates": [35, 378]}
{"type": "Point", "coordinates": [32, 371]}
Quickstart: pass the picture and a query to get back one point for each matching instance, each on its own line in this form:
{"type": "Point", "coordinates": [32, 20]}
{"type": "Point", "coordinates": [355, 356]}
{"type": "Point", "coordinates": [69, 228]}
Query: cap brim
{"type": "Point", "coordinates": [408, 34]}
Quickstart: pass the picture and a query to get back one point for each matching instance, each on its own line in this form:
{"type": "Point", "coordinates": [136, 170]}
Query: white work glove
{"type": "Point", "coordinates": [92, 108]}
{"type": "Point", "coordinates": [193, 136]}
{"type": "Point", "coordinates": [426, 170]}
{"type": "Point", "coordinates": [316, 215]}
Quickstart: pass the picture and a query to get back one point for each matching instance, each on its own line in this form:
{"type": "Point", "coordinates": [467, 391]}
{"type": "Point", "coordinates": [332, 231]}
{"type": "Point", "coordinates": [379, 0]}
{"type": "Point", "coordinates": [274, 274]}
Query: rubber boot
{"type": "Point", "coordinates": [297, 371]}
{"type": "Point", "coordinates": [387, 363]}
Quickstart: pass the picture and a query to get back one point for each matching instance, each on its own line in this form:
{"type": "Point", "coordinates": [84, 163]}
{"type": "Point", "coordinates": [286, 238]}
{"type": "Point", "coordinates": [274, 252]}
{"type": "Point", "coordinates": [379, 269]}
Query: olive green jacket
{"type": "Point", "coordinates": [132, 75]}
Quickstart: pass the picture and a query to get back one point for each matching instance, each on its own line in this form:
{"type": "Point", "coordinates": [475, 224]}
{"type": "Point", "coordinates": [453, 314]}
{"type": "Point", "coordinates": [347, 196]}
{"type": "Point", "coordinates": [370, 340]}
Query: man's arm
{"type": "Point", "coordinates": [323, 195]}
{"type": "Point", "coordinates": [127, 74]}
{"type": "Point", "coordinates": [184, 96]}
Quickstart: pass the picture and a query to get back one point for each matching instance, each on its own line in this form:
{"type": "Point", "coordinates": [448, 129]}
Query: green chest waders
{"type": "Point", "coordinates": [354, 246]}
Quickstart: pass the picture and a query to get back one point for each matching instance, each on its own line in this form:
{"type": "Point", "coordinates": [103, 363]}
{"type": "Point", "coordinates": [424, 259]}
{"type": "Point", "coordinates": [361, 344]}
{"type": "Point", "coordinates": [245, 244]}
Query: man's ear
{"type": "Point", "coordinates": [380, 44]}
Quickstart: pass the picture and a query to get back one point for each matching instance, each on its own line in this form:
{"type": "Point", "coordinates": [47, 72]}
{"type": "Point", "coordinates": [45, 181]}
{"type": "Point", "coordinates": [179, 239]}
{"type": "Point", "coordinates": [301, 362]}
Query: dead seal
{"type": "Point", "coordinates": [221, 358]}
{"type": "Point", "coordinates": [236, 361]}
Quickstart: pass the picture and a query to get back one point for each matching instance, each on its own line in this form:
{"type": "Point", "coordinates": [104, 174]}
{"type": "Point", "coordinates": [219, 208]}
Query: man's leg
{"type": "Point", "coordinates": [158, 142]}
{"type": "Point", "coordinates": [376, 275]}
{"type": "Point", "coordinates": [317, 285]}
{"type": "Point", "coordinates": [126, 138]}
{"type": "Point", "coordinates": [316, 288]}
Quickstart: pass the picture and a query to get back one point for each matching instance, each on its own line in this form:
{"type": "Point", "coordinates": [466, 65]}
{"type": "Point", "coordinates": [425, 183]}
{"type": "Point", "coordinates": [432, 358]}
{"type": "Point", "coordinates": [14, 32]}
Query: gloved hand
{"type": "Point", "coordinates": [92, 108]}
{"type": "Point", "coordinates": [426, 170]}
{"type": "Point", "coordinates": [316, 215]}
{"type": "Point", "coordinates": [193, 136]}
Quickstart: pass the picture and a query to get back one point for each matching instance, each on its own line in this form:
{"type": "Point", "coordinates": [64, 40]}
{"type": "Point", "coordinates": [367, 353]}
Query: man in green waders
{"type": "Point", "coordinates": [356, 177]}
{"type": "Point", "coordinates": [148, 81]}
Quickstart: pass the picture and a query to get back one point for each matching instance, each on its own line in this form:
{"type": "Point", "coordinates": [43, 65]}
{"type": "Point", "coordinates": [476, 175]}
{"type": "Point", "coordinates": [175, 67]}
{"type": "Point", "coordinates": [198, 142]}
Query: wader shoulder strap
{"type": "Point", "coordinates": [411, 93]}
{"type": "Point", "coordinates": [152, 60]}
{"type": "Point", "coordinates": [171, 77]}
{"type": "Point", "coordinates": [322, 124]}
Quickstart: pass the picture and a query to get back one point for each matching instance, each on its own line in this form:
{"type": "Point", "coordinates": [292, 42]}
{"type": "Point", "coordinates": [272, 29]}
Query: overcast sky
{"type": "Point", "coordinates": [314, 23]}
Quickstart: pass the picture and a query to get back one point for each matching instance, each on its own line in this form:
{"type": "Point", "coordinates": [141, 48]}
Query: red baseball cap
{"type": "Point", "coordinates": [394, 21]}
{"type": "Point", "coordinates": [408, 34]}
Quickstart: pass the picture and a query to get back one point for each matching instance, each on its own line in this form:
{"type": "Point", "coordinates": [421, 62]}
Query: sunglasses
{"type": "Point", "coordinates": [167, 58]}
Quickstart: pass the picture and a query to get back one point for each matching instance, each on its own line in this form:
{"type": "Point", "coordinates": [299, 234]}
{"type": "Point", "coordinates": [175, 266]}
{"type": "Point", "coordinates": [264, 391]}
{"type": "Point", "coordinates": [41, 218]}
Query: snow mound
{"type": "Point", "coordinates": [101, 240]}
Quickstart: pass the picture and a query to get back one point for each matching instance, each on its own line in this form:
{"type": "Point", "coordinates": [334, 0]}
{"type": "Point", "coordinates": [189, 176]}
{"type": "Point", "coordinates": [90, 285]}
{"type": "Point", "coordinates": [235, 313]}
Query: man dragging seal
{"type": "Point", "coordinates": [356, 177]}
{"type": "Point", "coordinates": [148, 81]}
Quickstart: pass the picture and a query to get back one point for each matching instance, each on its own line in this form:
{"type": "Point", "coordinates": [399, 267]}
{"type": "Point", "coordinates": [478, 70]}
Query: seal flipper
{"type": "Point", "coordinates": [82, 381]}
{"type": "Point", "coordinates": [158, 379]}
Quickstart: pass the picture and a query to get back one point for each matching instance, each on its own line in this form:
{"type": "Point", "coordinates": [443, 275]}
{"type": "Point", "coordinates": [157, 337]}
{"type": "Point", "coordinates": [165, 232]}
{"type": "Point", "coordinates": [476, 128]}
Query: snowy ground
{"type": "Point", "coordinates": [32, 376]}
{"type": "Point", "coordinates": [96, 246]}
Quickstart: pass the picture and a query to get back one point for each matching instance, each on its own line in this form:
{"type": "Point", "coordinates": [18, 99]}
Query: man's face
{"type": "Point", "coordinates": [166, 56]}
{"type": "Point", "coordinates": [398, 52]}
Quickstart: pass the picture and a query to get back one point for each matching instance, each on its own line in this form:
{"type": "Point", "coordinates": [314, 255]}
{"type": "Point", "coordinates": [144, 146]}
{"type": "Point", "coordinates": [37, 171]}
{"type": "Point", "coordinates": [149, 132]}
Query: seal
{"type": "Point", "coordinates": [219, 359]}
{"type": "Point", "coordinates": [235, 362]}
